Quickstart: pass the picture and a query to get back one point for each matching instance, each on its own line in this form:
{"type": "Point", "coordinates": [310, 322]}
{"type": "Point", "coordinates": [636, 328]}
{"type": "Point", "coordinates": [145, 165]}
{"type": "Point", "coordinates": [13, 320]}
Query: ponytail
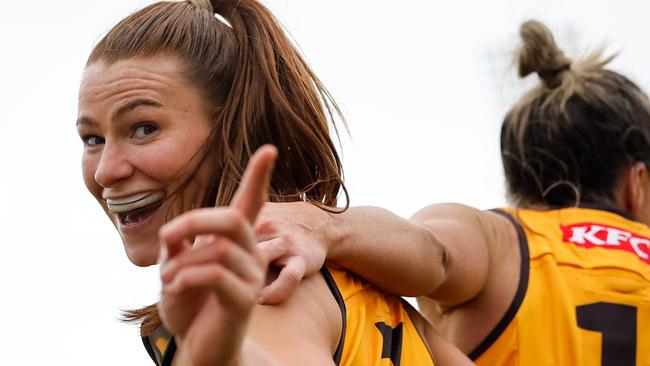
{"type": "Point", "coordinates": [275, 93]}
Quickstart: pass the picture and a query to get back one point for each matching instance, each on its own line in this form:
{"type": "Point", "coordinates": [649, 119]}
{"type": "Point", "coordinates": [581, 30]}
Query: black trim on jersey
{"type": "Point", "coordinates": [339, 300]}
{"type": "Point", "coordinates": [166, 357]}
{"type": "Point", "coordinates": [519, 295]}
{"type": "Point", "coordinates": [147, 346]}
{"type": "Point", "coordinates": [169, 353]}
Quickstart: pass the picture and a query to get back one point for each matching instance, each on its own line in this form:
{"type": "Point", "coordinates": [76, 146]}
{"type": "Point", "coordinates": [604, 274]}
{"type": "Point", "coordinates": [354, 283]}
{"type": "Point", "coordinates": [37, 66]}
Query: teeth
{"type": "Point", "coordinates": [126, 204]}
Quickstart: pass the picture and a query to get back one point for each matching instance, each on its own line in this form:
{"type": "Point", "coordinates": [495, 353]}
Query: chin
{"type": "Point", "coordinates": [142, 255]}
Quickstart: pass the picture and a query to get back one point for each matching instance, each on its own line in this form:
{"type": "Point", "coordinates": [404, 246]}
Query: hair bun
{"type": "Point", "coordinates": [539, 53]}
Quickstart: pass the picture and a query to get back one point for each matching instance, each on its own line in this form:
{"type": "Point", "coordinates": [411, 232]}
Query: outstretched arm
{"type": "Point", "coordinates": [399, 255]}
{"type": "Point", "coordinates": [440, 252]}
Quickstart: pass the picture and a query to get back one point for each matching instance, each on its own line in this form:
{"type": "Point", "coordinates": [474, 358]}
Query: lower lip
{"type": "Point", "coordinates": [132, 228]}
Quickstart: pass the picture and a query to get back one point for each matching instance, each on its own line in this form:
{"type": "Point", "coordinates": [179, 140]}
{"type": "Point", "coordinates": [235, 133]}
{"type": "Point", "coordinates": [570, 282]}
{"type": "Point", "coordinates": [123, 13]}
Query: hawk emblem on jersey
{"type": "Point", "coordinates": [590, 235]}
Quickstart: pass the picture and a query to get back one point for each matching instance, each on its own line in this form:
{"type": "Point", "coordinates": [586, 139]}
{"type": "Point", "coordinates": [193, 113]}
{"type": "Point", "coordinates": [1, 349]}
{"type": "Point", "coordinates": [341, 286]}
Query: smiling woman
{"type": "Point", "coordinates": [154, 124]}
{"type": "Point", "coordinates": [173, 103]}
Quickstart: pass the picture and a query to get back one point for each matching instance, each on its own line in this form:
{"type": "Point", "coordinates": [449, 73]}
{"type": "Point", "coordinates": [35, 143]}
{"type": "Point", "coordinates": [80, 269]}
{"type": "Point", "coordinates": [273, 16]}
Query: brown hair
{"type": "Point", "coordinates": [258, 88]}
{"type": "Point", "coordinates": [568, 140]}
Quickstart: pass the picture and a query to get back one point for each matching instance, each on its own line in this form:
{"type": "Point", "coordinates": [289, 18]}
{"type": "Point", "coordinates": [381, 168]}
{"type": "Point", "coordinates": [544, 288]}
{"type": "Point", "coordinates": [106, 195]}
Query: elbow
{"type": "Point", "coordinates": [435, 259]}
{"type": "Point", "coordinates": [442, 259]}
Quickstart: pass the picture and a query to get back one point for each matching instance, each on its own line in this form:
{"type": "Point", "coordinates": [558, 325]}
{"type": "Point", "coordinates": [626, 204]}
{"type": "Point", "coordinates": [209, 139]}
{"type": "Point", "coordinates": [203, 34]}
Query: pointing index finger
{"type": "Point", "coordinates": [253, 189]}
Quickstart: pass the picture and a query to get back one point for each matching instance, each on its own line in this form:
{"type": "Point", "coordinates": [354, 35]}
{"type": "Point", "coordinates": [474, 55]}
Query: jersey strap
{"type": "Point", "coordinates": [519, 295]}
{"type": "Point", "coordinates": [161, 346]}
{"type": "Point", "coordinates": [331, 284]}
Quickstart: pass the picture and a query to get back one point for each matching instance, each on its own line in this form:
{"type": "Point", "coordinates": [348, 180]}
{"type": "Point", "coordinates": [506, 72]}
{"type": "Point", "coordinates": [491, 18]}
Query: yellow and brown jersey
{"type": "Point", "coordinates": [376, 330]}
{"type": "Point", "coordinates": [583, 297]}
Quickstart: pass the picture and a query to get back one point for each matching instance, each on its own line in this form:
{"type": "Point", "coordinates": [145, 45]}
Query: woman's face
{"type": "Point", "coordinates": [142, 125]}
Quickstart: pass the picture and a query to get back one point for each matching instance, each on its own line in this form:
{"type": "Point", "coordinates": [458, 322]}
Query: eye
{"type": "Point", "coordinates": [144, 130]}
{"type": "Point", "coordinates": [92, 140]}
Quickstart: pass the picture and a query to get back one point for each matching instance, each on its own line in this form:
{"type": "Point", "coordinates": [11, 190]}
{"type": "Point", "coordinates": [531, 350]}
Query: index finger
{"type": "Point", "coordinates": [253, 189]}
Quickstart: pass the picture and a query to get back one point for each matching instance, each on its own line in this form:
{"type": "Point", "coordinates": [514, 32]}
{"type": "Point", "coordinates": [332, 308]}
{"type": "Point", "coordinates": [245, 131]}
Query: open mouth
{"type": "Point", "coordinates": [137, 208]}
{"type": "Point", "coordinates": [137, 216]}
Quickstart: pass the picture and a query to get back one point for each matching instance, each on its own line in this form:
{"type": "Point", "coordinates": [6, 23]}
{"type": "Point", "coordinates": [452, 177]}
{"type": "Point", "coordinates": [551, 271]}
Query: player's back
{"type": "Point", "coordinates": [584, 294]}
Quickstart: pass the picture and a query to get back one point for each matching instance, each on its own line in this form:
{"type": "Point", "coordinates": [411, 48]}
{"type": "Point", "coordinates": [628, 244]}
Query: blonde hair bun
{"type": "Point", "coordinates": [539, 53]}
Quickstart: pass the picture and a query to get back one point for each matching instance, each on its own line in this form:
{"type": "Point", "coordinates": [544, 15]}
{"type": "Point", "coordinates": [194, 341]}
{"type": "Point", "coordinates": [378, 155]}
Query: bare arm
{"type": "Point", "coordinates": [398, 255]}
{"type": "Point", "coordinates": [466, 235]}
{"type": "Point", "coordinates": [440, 252]}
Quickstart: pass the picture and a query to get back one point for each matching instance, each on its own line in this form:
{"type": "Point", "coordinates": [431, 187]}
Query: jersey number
{"type": "Point", "coordinates": [617, 323]}
{"type": "Point", "coordinates": [392, 347]}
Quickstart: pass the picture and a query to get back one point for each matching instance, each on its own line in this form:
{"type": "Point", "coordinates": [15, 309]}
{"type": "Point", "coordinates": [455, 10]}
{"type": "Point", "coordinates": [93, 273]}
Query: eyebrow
{"type": "Point", "coordinates": [87, 121]}
{"type": "Point", "coordinates": [83, 120]}
{"type": "Point", "coordinates": [128, 107]}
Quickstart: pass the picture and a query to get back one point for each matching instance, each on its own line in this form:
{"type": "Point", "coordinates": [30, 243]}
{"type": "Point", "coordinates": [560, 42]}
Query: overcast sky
{"type": "Point", "coordinates": [424, 86]}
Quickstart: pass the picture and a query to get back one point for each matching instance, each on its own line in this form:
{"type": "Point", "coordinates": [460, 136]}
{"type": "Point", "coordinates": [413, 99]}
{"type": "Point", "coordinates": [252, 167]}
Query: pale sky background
{"type": "Point", "coordinates": [424, 86]}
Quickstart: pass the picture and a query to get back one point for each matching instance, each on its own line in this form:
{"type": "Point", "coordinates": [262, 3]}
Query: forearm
{"type": "Point", "coordinates": [397, 255]}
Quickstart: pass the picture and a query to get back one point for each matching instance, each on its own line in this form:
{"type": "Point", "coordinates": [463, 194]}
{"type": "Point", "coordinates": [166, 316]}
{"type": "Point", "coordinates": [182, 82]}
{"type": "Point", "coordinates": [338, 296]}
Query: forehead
{"type": "Point", "coordinates": [159, 77]}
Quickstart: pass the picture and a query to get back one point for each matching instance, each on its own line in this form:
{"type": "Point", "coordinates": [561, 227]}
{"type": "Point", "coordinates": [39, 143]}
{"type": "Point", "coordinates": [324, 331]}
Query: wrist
{"type": "Point", "coordinates": [334, 235]}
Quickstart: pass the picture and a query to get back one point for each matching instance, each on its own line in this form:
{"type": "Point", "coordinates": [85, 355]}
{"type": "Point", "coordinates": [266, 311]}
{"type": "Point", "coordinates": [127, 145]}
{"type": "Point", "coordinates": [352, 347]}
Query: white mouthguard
{"type": "Point", "coordinates": [126, 204]}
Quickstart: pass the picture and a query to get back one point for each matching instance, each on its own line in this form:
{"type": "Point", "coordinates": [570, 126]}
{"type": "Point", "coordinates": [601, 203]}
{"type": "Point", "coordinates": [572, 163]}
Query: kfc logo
{"type": "Point", "coordinates": [589, 235]}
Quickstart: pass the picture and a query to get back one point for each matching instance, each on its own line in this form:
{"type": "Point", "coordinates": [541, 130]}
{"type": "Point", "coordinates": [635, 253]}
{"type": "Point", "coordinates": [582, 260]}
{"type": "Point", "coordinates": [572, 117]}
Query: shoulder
{"type": "Point", "coordinates": [496, 231]}
{"type": "Point", "coordinates": [505, 232]}
{"type": "Point", "coordinates": [306, 326]}
{"type": "Point", "coordinates": [467, 216]}
{"type": "Point", "coordinates": [489, 240]}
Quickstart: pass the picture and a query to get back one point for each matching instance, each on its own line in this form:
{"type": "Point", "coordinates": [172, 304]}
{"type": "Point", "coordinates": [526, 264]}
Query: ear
{"type": "Point", "coordinates": [635, 192]}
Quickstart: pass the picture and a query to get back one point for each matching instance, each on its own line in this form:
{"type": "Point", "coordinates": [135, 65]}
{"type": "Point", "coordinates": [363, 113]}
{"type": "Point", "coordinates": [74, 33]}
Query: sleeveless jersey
{"type": "Point", "coordinates": [376, 330]}
{"type": "Point", "coordinates": [583, 297]}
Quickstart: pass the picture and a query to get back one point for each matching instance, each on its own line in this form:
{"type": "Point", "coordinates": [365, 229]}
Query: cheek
{"type": "Point", "coordinates": [164, 161]}
{"type": "Point", "coordinates": [169, 159]}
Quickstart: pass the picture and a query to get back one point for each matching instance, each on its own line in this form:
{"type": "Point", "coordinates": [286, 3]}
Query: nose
{"type": "Point", "coordinates": [114, 166]}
